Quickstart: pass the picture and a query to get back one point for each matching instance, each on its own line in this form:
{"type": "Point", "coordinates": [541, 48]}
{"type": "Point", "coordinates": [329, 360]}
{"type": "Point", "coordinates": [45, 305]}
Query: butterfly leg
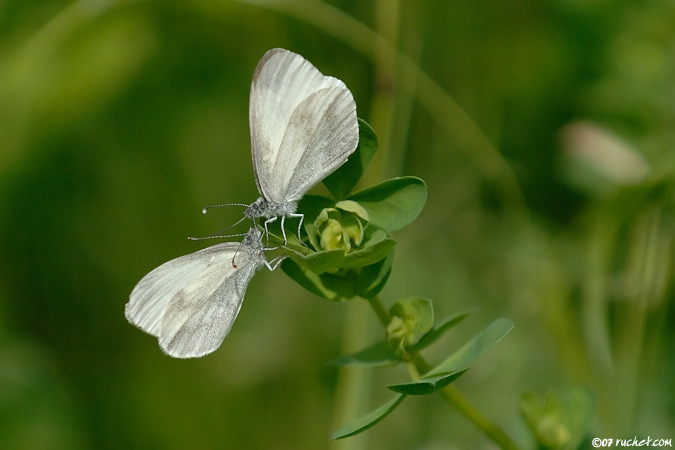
{"type": "Point", "coordinates": [302, 218]}
{"type": "Point", "coordinates": [271, 265]}
{"type": "Point", "coordinates": [267, 233]}
{"type": "Point", "coordinates": [283, 230]}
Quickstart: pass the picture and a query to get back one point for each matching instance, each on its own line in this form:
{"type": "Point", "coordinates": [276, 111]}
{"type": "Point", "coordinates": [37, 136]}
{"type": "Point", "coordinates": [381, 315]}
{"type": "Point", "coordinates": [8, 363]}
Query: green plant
{"type": "Point", "coordinates": [349, 254]}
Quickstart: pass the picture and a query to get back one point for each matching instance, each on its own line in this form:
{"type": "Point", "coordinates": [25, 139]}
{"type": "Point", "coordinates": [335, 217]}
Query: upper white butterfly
{"type": "Point", "coordinates": [303, 127]}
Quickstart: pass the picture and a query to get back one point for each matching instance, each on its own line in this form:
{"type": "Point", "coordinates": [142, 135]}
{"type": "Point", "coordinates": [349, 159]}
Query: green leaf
{"type": "Point", "coordinates": [344, 286]}
{"type": "Point", "coordinates": [427, 385]}
{"type": "Point", "coordinates": [380, 354]}
{"type": "Point", "coordinates": [394, 203]}
{"type": "Point", "coordinates": [307, 279]}
{"type": "Point", "coordinates": [438, 331]}
{"type": "Point", "coordinates": [317, 262]}
{"type": "Point", "coordinates": [376, 247]}
{"type": "Point", "coordinates": [330, 286]}
{"type": "Point", "coordinates": [474, 349]}
{"type": "Point", "coordinates": [367, 421]}
{"type": "Point", "coordinates": [371, 279]}
{"type": "Point", "coordinates": [341, 182]}
{"type": "Point", "coordinates": [352, 206]}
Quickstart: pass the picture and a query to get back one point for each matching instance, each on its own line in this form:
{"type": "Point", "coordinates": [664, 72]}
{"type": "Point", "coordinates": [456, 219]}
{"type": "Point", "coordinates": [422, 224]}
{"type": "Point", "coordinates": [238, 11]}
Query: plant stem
{"type": "Point", "coordinates": [496, 434]}
{"type": "Point", "coordinates": [452, 395]}
{"type": "Point", "coordinates": [380, 310]}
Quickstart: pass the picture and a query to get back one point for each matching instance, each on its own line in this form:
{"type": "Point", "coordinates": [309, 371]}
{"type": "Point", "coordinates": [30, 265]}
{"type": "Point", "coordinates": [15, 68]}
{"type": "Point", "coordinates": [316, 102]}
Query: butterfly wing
{"type": "Point", "coordinates": [191, 302]}
{"type": "Point", "coordinates": [303, 125]}
{"type": "Point", "coordinates": [198, 317]}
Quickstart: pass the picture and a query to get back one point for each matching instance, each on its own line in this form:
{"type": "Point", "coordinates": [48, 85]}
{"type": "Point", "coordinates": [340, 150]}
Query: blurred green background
{"type": "Point", "coordinates": [551, 202]}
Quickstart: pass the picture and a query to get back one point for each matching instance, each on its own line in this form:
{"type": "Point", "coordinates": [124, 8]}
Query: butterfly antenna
{"type": "Point", "coordinates": [216, 236]}
{"type": "Point", "coordinates": [206, 208]}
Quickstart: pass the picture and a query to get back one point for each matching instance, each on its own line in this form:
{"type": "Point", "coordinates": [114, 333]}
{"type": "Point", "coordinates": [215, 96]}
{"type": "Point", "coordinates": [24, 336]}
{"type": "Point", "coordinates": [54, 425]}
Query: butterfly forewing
{"type": "Point", "coordinates": [324, 126]}
{"type": "Point", "coordinates": [200, 315]}
{"type": "Point", "coordinates": [294, 112]}
{"type": "Point", "coordinates": [150, 296]}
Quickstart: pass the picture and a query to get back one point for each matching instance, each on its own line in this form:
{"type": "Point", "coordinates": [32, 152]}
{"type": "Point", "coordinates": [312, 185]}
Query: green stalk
{"type": "Point", "coordinates": [380, 310]}
{"type": "Point", "coordinates": [496, 434]}
{"type": "Point", "coordinates": [353, 385]}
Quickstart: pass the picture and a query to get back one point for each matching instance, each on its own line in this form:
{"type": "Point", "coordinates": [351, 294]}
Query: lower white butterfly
{"type": "Point", "coordinates": [191, 302]}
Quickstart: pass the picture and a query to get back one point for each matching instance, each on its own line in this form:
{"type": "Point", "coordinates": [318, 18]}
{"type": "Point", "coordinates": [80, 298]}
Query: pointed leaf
{"type": "Point", "coordinates": [367, 421]}
{"type": "Point", "coordinates": [380, 354]}
{"type": "Point", "coordinates": [476, 347]}
{"type": "Point", "coordinates": [341, 182]}
{"type": "Point", "coordinates": [394, 203]}
{"type": "Point", "coordinates": [444, 326]}
{"type": "Point", "coordinates": [427, 385]}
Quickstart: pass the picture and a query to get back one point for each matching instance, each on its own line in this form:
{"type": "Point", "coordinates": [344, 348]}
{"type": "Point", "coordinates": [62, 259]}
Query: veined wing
{"type": "Point", "coordinates": [303, 125]}
{"type": "Point", "coordinates": [325, 128]}
{"type": "Point", "coordinates": [150, 296]}
{"type": "Point", "coordinates": [204, 285]}
{"type": "Point", "coordinates": [199, 316]}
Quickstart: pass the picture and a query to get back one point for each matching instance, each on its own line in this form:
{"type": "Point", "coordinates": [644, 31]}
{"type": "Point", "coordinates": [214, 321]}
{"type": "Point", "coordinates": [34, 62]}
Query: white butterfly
{"type": "Point", "coordinates": [191, 302]}
{"type": "Point", "coordinates": [303, 127]}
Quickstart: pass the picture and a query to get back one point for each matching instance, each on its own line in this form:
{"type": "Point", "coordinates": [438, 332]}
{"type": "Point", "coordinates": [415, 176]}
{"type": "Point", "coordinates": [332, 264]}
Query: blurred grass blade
{"type": "Point", "coordinates": [367, 421]}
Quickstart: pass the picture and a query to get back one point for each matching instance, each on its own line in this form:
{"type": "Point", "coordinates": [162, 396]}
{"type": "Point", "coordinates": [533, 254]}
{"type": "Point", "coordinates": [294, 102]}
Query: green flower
{"type": "Point", "coordinates": [341, 227]}
{"type": "Point", "coordinates": [411, 318]}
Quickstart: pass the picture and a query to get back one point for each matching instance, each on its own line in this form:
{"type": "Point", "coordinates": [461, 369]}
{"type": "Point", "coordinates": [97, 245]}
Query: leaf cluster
{"type": "Point", "coordinates": [432, 379]}
{"type": "Point", "coordinates": [348, 251]}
